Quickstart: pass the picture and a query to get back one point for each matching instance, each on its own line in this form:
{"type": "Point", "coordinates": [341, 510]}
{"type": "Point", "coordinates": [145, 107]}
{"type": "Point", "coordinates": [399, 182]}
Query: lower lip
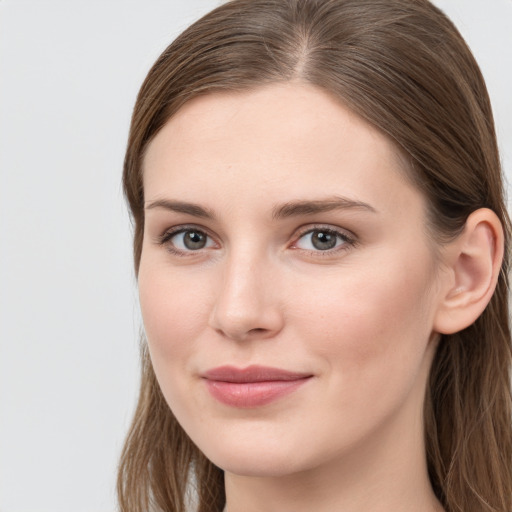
{"type": "Point", "coordinates": [252, 394]}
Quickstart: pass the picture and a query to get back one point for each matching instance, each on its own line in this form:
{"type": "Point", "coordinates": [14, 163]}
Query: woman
{"type": "Point", "coordinates": [320, 234]}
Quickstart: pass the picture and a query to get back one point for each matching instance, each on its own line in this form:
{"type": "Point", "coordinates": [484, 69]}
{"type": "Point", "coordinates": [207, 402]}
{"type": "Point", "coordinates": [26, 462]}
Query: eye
{"type": "Point", "coordinates": [187, 240]}
{"type": "Point", "coordinates": [322, 239]}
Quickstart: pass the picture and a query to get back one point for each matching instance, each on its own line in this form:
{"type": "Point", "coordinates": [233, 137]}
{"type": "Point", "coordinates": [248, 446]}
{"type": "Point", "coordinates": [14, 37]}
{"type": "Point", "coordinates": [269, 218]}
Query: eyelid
{"type": "Point", "coordinates": [349, 238]}
{"type": "Point", "coordinates": [165, 238]}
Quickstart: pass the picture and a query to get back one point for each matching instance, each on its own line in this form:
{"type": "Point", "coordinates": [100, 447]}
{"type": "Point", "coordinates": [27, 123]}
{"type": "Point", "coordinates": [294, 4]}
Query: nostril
{"type": "Point", "coordinates": [257, 330]}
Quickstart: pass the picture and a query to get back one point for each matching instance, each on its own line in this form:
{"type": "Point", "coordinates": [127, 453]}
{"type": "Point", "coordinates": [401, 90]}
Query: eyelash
{"type": "Point", "coordinates": [165, 239]}
{"type": "Point", "coordinates": [348, 241]}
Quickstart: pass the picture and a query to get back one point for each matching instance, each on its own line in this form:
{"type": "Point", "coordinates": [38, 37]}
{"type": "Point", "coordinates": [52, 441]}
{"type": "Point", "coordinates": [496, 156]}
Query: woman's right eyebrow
{"type": "Point", "coordinates": [311, 207]}
{"type": "Point", "coordinates": [181, 207]}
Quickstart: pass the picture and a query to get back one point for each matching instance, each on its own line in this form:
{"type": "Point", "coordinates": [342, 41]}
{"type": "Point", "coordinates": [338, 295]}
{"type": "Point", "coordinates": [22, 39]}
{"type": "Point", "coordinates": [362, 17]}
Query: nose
{"type": "Point", "coordinates": [247, 306]}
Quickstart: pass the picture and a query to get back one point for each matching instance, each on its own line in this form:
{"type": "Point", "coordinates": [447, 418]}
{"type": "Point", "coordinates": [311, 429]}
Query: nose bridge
{"type": "Point", "coordinates": [245, 305]}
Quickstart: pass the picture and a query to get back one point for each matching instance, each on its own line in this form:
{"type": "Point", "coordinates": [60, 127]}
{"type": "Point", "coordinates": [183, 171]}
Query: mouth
{"type": "Point", "coordinates": [253, 386]}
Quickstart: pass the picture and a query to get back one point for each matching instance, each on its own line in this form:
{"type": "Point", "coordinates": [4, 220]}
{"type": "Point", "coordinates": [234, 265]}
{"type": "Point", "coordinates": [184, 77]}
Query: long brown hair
{"type": "Point", "coordinates": [402, 66]}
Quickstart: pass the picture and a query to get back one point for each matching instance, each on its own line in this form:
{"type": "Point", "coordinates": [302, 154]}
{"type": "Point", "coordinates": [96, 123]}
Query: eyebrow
{"type": "Point", "coordinates": [181, 207]}
{"type": "Point", "coordinates": [286, 210]}
{"type": "Point", "coordinates": [296, 208]}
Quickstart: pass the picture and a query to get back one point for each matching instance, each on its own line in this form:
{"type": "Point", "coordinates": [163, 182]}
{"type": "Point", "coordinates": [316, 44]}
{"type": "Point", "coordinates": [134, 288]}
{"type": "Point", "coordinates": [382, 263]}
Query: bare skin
{"type": "Point", "coordinates": [280, 231]}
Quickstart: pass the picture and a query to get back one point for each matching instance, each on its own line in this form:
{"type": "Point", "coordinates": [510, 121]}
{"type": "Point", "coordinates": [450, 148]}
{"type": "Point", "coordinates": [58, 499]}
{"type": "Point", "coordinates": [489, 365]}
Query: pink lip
{"type": "Point", "coordinates": [253, 386]}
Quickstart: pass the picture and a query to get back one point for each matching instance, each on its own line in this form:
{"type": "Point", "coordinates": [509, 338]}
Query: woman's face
{"type": "Point", "coordinates": [287, 284]}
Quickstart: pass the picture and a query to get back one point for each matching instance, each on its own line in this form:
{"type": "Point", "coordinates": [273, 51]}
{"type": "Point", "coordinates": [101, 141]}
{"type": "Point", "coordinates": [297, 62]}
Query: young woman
{"type": "Point", "coordinates": [321, 248]}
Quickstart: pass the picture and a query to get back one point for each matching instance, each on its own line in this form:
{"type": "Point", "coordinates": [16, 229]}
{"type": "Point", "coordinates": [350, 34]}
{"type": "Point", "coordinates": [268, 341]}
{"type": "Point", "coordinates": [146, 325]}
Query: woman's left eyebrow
{"type": "Point", "coordinates": [308, 207]}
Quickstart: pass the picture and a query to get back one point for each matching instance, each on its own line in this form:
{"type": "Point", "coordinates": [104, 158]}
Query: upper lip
{"type": "Point", "coordinates": [252, 373]}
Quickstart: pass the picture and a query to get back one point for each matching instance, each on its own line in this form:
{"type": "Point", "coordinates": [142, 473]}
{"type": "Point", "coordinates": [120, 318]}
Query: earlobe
{"type": "Point", "coordinates": [473, 264]}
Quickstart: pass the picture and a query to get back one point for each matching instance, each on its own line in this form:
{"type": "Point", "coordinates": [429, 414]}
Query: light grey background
{"type": "Point", "coordinates": [69, 73]}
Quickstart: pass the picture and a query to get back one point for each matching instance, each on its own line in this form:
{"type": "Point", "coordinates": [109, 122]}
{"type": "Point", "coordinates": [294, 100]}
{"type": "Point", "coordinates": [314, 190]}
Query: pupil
{"type": "Point", "coordinates": [323, 240]}
{"type": "Point", "coordinates": [194, 240]}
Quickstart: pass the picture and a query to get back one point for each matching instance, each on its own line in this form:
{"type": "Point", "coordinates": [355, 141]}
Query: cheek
{"type": "Point", "coordinates": [174, 310]}
{"type": "Point", "coordinates": [371, 325]}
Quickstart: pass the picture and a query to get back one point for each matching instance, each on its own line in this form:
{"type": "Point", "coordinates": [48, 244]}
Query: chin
{"type": "Point", "coordinates": [257, 466]}
{"type": "Point", "coordinates": [257, 458]}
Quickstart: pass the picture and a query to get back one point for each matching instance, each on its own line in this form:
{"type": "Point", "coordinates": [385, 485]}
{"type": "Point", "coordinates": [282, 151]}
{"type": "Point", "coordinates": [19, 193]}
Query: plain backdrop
{"type": "Point", "coordinates": [69, 321]}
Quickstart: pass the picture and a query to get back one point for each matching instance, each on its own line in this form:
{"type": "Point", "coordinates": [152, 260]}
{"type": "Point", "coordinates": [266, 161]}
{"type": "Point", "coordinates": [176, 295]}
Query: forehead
{"type": "Point", "coordinates": [282, 139]}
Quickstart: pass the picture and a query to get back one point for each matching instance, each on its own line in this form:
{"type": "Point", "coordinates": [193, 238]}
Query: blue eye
{"type": "Point", "coordinates": [321, 239]}
{"type": "Point", "coordinates": [186, 240]}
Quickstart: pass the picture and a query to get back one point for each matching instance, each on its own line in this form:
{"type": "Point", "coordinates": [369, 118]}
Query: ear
{"type": "Point", "coordinates": [473, 262]}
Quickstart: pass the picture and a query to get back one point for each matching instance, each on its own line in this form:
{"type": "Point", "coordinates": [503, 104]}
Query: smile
{"type": "Point", "coordinates": [253, 386]}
